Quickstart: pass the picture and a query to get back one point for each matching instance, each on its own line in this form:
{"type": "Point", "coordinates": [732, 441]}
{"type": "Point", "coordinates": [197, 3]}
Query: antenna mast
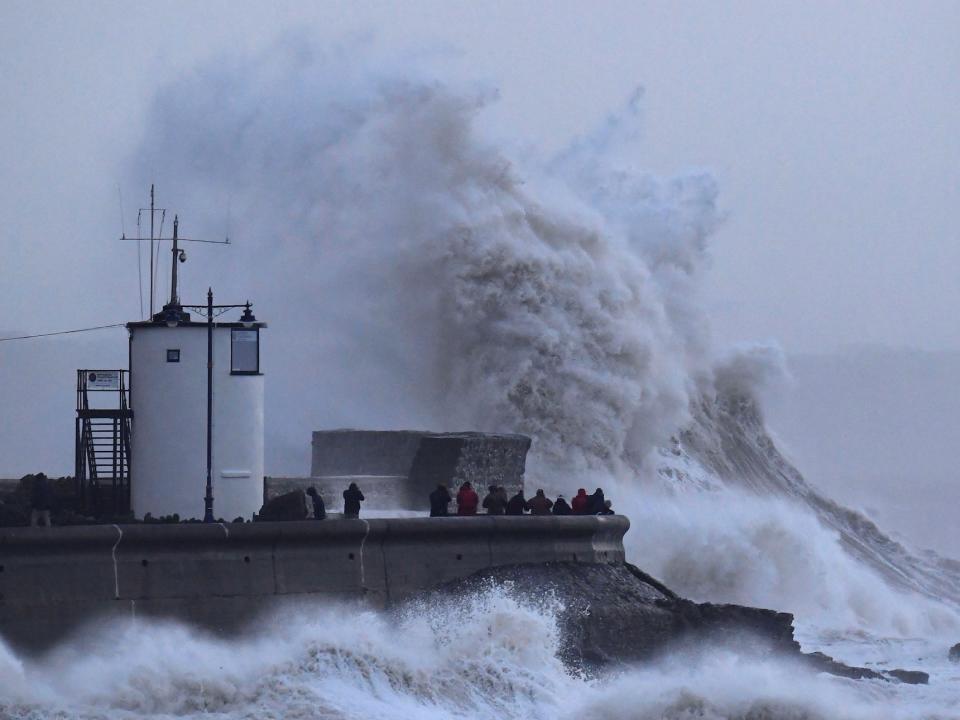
{"type": "Point", "coordinates": [174, 296]}
{"type": "Point", "coordinates": [151, 249]}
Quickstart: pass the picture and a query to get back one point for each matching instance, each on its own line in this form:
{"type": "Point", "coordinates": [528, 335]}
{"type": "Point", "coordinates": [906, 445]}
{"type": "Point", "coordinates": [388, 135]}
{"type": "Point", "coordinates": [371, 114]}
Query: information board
{"type": "Point", "coordinates": [103, 380]}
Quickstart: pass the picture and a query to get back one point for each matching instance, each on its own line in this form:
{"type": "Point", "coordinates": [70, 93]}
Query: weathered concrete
{"type": "Point", "coordinates": [479, 458]}
{"type": "Point", "coordinates": [380, 491]}
{"type": "Point", "coordinates": [220, 576]}
{"type": "Point", "coordinates": [364, 452]}
{"type": "Point", "coordinates": [402, 467]}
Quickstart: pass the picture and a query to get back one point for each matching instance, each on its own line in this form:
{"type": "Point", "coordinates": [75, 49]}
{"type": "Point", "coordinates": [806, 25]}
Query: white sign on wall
{"type": "Point", "coordinates": [103, 380]}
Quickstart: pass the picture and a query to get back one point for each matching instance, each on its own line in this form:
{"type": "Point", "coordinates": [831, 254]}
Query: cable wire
{"type": "Point", "coordinates": [62, 332]}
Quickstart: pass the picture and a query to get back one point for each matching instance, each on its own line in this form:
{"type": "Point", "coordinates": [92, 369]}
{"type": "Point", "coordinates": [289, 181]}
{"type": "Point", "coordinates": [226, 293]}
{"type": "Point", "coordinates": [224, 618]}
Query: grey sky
{"type": "Point", "coordinates": [831, 127]}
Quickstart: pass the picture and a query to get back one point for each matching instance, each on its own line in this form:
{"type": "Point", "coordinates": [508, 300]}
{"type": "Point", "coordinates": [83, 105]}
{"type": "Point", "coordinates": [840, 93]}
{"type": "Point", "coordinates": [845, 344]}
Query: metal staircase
{"type": "Point", "coordinates": [103, 425]}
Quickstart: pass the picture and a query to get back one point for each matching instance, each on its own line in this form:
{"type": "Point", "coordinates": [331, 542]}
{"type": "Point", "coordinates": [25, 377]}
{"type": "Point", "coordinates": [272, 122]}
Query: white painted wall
{"type": "Point", "coordinates": [169, 400]}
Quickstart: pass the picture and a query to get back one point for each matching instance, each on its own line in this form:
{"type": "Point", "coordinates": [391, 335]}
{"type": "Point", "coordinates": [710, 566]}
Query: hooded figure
{"type": "Point", "coordinates": [319, 509]}
{"type": "Point", "coordinates": [352, 497]}
{"type": "Point", "coordinates": [579, 502]}
{"type": "Point", "coordinates": [495, 502]}
{"type": "Point", "coordinates": [439, 500]}
{"type": "Point", "coordinates": [517, 504]}
{"type": "Point", "coordinates": [596, 503]}
{"type": "Point", "coordinates": [560, 507]}
{"type": "Point", "coordinates": [540, 504]}
{"type": "Point", "coordinates": [467, 500]}
{"type": "Point", "coordinates": [41, 501]}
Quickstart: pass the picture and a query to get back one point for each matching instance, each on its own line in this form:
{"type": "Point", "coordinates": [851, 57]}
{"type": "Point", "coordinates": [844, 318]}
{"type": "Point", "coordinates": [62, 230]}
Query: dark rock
{"type": "Point", "coordinates": [954, 653]}
{"type": "Point", "coordinates": [911, 677]}
{"type": "Point", "coordinates": [289, 506]}
{"type": "Point", "coordinates": [824, 663]}
{"type": "Point", "coordinates": [616, 614]}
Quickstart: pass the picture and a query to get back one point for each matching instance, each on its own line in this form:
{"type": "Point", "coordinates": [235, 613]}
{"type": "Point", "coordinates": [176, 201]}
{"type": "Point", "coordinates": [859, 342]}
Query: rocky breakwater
{"type": "Point", "coordinates": [615, 614]}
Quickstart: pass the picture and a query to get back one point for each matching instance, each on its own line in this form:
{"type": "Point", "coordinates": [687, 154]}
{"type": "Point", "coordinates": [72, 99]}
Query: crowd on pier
{"type": "Point", "coordinates": [496, 502]}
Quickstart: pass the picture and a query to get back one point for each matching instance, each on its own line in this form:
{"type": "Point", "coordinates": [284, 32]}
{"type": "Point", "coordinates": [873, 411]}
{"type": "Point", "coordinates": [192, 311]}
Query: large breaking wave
{"type": "Point", "coordinates": [418, 272]}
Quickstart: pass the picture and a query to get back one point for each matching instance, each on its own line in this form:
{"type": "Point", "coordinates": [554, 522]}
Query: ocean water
{"type": "Point", "coordinates": [492, 657]}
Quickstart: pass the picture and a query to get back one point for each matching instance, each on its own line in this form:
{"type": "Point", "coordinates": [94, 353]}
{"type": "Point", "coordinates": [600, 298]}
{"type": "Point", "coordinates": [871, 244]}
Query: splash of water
{"type": "Point", "coordinates": [454, 285]}
{"type": "Point", "coordinates": [432, 278]}
{"type": "Point", "coordinates": [489, 656]}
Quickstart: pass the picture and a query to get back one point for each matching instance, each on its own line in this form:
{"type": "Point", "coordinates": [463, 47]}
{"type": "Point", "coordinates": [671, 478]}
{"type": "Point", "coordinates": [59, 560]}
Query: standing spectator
{"type": "Point", "coordinates": [517, 504]}
{"type": "Point", "coordinates": [440, 501]}
{"type": "Point", "coordinates": [540, 504]}
{"type": "Point", "coordinates": [319, 509]}
{"type": "Point", "coordinates": [41, 500]}
{"type": "Point", "coordinates": [596, 503]}
{"type": "Point", "coordinates": [579, 502]}
{"type": "Point", "coordinates": [496, 501]}
{"type": "Point", "coordinates": [467, 500]}
{"type": "Point", "coordinates": [352, 497]}
{"type": "Point", "coordinates": [560, 507]}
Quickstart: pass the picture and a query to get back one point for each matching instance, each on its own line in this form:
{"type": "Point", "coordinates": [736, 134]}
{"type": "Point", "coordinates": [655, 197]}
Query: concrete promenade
{"type": "Point", "coordinates": [53, 581]}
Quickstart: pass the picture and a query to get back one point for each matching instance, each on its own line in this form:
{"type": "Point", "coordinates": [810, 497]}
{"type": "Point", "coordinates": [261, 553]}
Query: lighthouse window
{"type": "Point", "coordinates": [245, 352]}
{"type": "Point", "coordinates": [173, 355]}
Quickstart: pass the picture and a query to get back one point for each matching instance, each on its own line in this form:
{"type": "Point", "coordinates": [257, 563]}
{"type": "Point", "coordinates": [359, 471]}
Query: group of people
{"type": "Point", "coordinates": [496, 502]}
{"type": "Point", "coordinates": [352, 497]}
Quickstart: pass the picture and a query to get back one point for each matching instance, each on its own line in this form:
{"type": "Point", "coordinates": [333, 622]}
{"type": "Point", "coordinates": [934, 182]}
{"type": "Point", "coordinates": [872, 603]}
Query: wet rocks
{"type": "Point", "coordinates": [911, 677]}
{"type": "Point", "coordinates": [616, 614]}
{"type": "Point", "coordinates": [954, 653]}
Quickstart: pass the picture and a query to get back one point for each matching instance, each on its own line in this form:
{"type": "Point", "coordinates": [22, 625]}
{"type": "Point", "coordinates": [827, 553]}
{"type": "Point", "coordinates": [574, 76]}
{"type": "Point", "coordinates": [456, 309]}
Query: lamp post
{"type": "Point", "coordinates": [247, 319]}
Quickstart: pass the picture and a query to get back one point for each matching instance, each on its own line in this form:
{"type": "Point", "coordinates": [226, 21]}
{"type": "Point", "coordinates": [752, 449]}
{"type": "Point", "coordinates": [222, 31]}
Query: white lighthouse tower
{"type": "Point", "coordinates": [197, 401]}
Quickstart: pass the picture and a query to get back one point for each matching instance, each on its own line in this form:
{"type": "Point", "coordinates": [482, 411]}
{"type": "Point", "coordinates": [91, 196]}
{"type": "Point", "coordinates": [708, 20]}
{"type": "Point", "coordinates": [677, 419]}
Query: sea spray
{"type": "Point", "coordinates": [733, 546]}
{"type": "Point", "coordinates": [429, 277]}
{"type": "Point", "coordinates": [489, 655]}
{"type": "Point", "coordinates": [422, 276]}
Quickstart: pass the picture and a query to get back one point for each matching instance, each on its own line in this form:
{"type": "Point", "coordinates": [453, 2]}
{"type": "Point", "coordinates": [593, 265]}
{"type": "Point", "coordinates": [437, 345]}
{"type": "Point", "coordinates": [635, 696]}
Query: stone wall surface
{"type": "Point", "coordinates": [380, 491]}
{"type": "Point", "coordinates": [220, 576]}
{"type": "Point", "coordinates": [402, 467]}
{"type": "Point", "coordinates": [364, 452]}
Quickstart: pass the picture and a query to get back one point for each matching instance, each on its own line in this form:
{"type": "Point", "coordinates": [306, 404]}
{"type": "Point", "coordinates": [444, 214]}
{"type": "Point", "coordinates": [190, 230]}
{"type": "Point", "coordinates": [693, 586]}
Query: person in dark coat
{"type": "Point", "coordinates": [41, 501]}
{"type": "Point", "coordinates": [467, 500]}
{"type": "Point", "coordinates": [440, 501]}
{"type": "Point", "coordinates": [496, 501]}
{"type": "Point", "coordinates": [560, 506]}
{"type": "Point", "coordinates": [319, 509]}
{"type": "Point", "coordinates": [517, 505]}
{"type": "Point", "coordinates": [596, 503]}
{"type": "Point", "coordinates": [579, 502]}
{"type": "Point", "coordinates": [540, 504]}
{"type": "Point", "coordinates": [352, 497]}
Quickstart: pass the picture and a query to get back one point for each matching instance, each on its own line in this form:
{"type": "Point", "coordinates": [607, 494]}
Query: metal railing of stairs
{"type": "Point", "coordinates": [103, 427]}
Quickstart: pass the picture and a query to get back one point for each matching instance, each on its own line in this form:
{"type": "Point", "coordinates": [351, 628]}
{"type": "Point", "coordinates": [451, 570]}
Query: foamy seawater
{"type": "Point", "coordinates": [492, 656]}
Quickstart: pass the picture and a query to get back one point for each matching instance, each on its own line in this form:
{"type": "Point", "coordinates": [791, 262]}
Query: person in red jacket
{"type": "Point", "coordinates": [579, 502]}
{"type": "Point", "coordinates": [467, 500]}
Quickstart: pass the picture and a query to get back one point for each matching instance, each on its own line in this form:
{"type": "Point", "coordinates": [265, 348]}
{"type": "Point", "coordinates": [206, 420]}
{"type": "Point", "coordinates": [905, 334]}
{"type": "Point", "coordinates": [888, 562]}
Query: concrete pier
{"type": "Point", "coordinates": [52, 581]}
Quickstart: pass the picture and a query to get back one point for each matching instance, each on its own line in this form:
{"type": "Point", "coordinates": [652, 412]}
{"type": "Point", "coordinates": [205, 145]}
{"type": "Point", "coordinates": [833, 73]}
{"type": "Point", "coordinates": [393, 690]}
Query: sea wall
{"type": "Point", "coordinates": [52, 581]}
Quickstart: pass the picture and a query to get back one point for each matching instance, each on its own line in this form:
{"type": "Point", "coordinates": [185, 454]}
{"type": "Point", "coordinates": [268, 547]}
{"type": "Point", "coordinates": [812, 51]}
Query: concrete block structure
{"type": "Point", "coordinates": [397, 469]}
